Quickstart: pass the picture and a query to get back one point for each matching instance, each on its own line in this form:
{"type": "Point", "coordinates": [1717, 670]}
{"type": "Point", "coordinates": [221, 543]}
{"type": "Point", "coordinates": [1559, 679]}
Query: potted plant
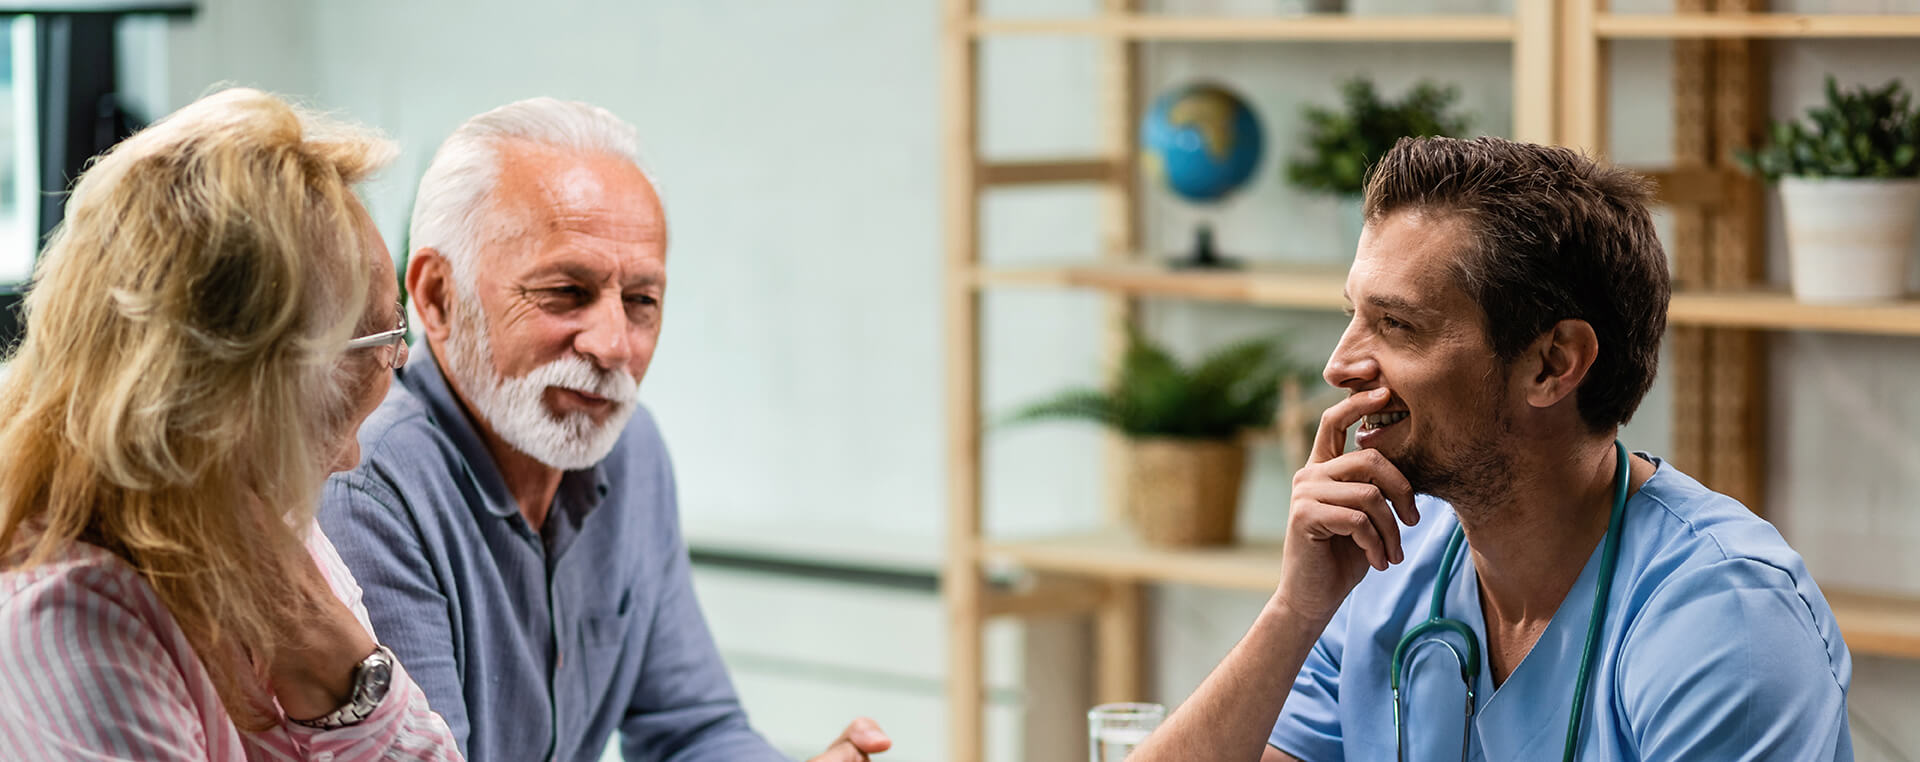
{"type": "Point", "coordinates": [1850, 189]}
{"type": "Point", "coordinates": [1341, 144]}
{"type": "Point", "coordinates": [1184, 426]}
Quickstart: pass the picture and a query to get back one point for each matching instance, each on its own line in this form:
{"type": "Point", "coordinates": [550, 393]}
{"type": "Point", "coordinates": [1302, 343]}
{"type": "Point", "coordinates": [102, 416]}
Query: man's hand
{"type": "Point", "coordinates": [857, 743]}
{"type": "Point", "coordinates": [1342, 515]}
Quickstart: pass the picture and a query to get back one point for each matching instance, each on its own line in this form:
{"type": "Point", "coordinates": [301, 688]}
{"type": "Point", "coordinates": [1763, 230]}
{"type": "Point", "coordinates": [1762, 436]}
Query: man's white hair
{"type": "Point", "coordinates": [453, 211]}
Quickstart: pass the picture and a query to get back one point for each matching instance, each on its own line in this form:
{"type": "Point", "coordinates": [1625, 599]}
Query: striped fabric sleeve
{"type": "Point", "coordinates": [87, 672]}
{"type": "Point", "coordinates": [92, 667]}
{"type": "Point", "coordinates": [403, 728]}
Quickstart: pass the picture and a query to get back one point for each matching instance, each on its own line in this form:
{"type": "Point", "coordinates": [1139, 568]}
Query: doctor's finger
{"type": "Point", "coordinates": [1328, 522]}
{"type": "Point", "coordinates": [1373, 468]}
{"type": "Point", "coordinates": [1368, 499]}
{"type": "Point", "coordinates": [1331, 439]}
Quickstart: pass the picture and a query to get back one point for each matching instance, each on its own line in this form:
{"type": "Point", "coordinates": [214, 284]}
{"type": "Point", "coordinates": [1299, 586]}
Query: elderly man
{"type": "Point", "coordinates": [514, 521]}
{"type": "Point", "coordinates": [1550, 596]}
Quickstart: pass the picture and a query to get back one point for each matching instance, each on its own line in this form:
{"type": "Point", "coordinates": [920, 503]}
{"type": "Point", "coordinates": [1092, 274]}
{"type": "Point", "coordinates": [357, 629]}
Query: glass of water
{"type": "Point", "coordinates": [1115, 730]}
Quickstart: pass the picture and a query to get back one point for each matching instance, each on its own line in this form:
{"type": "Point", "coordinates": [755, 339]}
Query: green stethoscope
{"type": "Point", "coordinates": [1470, 663]}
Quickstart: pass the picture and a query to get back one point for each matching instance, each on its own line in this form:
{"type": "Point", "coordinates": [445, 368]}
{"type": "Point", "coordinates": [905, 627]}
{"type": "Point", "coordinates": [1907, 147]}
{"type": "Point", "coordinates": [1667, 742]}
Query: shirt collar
{"type": "Point", "coordinates": [579, 490]}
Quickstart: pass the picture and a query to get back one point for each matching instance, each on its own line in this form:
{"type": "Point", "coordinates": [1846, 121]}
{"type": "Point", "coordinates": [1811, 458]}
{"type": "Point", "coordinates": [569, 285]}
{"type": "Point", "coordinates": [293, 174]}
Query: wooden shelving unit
{"type": "Point", "coordinates": [1117, 555]}
{"type": "Point", "coordinates": [1321, 288]}
{"type": "Point", "coordinates": [1752, 26]}
{"type": "Point", "coordinates": [1281, 29]}
{"type": "Point", "coordinates": [1559, 65]}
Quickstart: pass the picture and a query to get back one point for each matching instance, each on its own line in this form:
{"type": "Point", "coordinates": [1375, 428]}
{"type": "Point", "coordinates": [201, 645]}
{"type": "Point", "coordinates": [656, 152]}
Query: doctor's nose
{"type": "Point", "coordinates": [1350, 367]}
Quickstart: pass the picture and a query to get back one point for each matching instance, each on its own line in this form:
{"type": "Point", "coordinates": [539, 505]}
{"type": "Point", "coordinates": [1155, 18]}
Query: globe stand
{"type": "Point", "coordinates": [1203, 256]}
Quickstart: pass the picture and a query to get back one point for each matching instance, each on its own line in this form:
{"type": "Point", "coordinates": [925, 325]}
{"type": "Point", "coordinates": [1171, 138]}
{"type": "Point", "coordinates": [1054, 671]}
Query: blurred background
{"type": "Point", "coordinates": [804, 374]}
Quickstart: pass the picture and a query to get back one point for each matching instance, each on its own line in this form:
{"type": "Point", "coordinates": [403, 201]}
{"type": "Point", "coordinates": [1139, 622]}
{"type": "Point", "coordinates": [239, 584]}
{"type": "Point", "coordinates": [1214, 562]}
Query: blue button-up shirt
{"type": "Point", "coordinates": [534, 645]}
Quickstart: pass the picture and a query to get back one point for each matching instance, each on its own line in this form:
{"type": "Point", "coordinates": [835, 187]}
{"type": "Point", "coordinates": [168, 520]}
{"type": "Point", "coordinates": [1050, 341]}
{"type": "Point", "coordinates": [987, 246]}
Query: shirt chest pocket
{"type": "Point", "coordinates": [604, 627]}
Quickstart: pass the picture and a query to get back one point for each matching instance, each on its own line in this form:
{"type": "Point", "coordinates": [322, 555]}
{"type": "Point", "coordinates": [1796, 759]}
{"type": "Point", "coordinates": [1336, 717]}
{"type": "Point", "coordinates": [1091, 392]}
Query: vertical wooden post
{"type": "Point", "coordinates": [1120, 651]}
{"type": "Point", "coordinates": [1692, 148]}
{"type": "Point", "coordinates": [1737, 438]}
{"type": "Point", "coordinates": [1119, 627]}
{"type": "Point", "coordinates": [1583, 78]}
{"type": "Point", "coordinates": [1535, 72]}
{"type": "Point", "coordinates": [1119, 104]}
{"type": "Point", "coordinates": [961, 581]}
{"type": "Point", "coordinates": [1719, 374]}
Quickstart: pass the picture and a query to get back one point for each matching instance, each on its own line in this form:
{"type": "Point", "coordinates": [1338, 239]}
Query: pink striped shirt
{"type": "Point", "coordinates": [93, 667]}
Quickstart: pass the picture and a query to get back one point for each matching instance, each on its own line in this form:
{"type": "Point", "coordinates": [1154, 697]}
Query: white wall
{"type": "Point", "coordinates": [798, 380]}
{"type": "Point", "coordinates": [801, 375]}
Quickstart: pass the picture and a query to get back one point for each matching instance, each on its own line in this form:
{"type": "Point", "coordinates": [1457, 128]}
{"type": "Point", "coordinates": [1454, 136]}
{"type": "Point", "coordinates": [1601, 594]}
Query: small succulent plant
{"type": "Point", "coordinates": [1860, 133]}
{"type": "Point", "coordinates": [1343, 144]}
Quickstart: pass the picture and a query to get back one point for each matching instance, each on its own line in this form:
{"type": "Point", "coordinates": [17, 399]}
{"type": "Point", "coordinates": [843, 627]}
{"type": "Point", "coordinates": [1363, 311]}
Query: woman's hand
{"type": "Point", "coordinates": [312, 672]}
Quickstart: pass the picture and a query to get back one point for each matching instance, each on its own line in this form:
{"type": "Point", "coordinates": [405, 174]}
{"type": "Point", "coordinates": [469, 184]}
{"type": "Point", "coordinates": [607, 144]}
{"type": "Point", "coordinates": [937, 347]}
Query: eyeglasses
{"type": "Point", "coordinates": [394, 341]}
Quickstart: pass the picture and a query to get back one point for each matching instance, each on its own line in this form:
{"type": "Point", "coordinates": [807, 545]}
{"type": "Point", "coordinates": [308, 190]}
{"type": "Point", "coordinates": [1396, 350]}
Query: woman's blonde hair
{"type": "Point", "coordinates": [180, 389]}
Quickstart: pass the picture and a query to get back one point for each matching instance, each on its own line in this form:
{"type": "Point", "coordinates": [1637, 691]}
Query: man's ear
{"type": "Point", "coordinates": [1561, 359]}
{"type": "Point", "coordinates": [430, 282]}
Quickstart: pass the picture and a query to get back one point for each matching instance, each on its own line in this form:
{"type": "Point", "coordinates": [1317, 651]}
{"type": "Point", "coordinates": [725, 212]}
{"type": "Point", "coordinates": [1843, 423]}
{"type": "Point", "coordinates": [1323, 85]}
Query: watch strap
{"type": "Point", "coordinates": [371, 679]}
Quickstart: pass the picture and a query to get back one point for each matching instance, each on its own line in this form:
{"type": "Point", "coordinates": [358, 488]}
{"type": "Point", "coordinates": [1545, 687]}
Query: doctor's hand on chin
{"type": "Point", "coordinates": [1342, 519]}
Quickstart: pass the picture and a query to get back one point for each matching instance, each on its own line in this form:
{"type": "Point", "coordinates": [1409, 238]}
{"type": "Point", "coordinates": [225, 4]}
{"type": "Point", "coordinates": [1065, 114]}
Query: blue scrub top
{"type": "Point", "coordinates": [1716, 645]}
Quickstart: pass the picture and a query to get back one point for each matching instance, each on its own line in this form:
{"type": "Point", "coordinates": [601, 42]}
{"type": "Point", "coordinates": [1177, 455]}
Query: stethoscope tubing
{"type": "Point", "coordinates": [1469, 663]}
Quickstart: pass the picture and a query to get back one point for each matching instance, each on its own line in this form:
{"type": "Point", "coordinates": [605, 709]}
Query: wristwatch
{"type": "Point", "coordinates": [370, 682]}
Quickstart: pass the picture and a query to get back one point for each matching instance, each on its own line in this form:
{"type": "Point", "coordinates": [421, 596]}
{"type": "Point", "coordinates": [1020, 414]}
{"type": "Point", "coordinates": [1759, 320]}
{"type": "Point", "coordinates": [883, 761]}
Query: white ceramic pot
{"type": "Point", "coordinates": [1849, 240]}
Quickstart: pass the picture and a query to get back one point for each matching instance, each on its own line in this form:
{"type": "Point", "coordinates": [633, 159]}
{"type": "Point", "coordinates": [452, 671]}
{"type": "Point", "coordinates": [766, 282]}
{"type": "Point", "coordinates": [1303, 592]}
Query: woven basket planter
{"type": "Point", "coordinates": [1185, 492]}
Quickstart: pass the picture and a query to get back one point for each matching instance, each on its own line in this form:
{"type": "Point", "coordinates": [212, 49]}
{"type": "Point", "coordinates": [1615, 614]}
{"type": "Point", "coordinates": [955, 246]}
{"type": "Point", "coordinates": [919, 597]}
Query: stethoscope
{"type": "Point", "coordinates": [1470, 662]}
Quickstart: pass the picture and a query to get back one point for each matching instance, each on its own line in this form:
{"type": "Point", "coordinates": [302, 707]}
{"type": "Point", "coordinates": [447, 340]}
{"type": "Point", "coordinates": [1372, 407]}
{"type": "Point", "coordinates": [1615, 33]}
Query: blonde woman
{"type": "Point", "coordinates": [206, 331]}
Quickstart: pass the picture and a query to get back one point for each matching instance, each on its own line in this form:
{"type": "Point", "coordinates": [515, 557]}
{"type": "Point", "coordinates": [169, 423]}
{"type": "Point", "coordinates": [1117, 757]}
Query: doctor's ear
{"type": "Point", "coordinates": [430, 282]}
{"type": "Point", "coordinates": [1561, 358]}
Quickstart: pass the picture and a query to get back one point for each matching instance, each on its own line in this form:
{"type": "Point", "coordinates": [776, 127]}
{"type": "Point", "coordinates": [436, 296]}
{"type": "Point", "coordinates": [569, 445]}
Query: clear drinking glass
{"type": "Point", "coordinates": [1115, 730]}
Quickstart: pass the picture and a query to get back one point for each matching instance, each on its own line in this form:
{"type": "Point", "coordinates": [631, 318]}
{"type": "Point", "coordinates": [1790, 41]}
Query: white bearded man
{"type": "Point", "coordinates": [513, 521]}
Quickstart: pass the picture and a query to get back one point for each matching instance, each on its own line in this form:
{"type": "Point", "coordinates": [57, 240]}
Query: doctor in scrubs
{"type": "Point", "coordinates": [1489, 553]}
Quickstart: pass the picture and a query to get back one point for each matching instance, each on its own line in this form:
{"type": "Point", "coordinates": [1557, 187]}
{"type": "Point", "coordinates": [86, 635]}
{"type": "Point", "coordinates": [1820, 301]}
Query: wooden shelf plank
{"type": "Point", "coordinates": [1877, 625]}
{"type": "Point", "coordinates": [1321, 288]}
{"type": "Point", "coordinates": [1673, 185]}
{"type": "Point", "coordinates": [1300, 286]}
{"type": "Point", "coordinates": [1664, 26]}
{"type": "Point", "coordinates": [1692, 186]}
{"type": "Point", "coordinates": [1116, 555]}
{"type": "Point", "coordinates": [1776, 310]}
{"type": "Point", "coordinates": [1307, 28]}
{"type": "Point", "coordinates": [1040, 172]}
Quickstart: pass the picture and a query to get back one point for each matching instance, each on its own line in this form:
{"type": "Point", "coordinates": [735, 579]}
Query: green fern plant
{"type": "Point", "coordinates": [1343, 144]}
{"type": "Point", "coordinates": [1233, 389]}
{"type": "Point", "coordinates": [1861, 132]}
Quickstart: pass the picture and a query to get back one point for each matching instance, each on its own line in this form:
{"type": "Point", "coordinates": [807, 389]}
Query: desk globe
{"type": "Point", "coordinates": [1202, 142]}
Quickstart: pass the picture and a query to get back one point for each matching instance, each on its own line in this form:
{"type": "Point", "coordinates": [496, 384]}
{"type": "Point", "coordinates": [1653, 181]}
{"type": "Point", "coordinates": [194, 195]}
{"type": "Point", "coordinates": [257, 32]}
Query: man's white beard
{"type": "Point", "coordinates": [514, 407]}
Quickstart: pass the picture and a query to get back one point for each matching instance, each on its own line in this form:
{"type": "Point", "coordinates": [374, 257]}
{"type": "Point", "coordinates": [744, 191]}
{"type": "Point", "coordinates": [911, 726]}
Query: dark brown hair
{"type": "Point", "coordinates": [1555, 236]}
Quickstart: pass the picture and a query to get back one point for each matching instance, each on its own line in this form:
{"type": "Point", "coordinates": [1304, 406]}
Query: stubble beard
{"type": "Point", "coordinates": [1473, 473]}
